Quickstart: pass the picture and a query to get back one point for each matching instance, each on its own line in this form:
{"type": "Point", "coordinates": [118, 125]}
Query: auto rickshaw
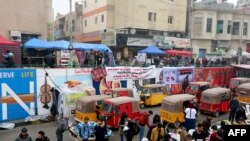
{"type": "Point", "coordinates": [113, 108]}
{"type": "Point", "coordinates": [117, 92]}
{"type": "Point", "coordinates": [152, 94]}
{"type": "Point", "coordinates": [89, 106]}
{"type": "Point", "coordinates": [243, 93]}
{"type": "Point", "coordinates": [196, 88]}
{"type": "Point", "coordinates": [215, 101]}
{"type": "Point", "coordinates": [235, 82]}
{"type": "Point", "coordinates": [172, 108]}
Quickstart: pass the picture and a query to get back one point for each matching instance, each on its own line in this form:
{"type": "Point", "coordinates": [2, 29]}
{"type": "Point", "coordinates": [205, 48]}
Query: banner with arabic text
{"type": "Point", "coordinates": [176, 75]}
{"type": "Point", "coordinates": [129, 73]}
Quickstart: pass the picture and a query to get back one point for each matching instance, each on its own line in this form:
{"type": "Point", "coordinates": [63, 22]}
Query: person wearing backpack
{"type": "Point", "coordinates": [144, 120]}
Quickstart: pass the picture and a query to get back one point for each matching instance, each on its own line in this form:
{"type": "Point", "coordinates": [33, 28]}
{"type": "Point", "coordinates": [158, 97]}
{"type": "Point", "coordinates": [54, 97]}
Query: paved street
{"type": "Point", "coordinates": [50, 128]}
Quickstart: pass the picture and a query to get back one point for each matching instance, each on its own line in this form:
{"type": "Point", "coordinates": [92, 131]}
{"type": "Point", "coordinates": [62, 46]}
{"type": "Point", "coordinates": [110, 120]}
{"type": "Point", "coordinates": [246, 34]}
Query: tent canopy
{"type": "Point", "coordinates": [178, 52]}
{"type": "Point", "coordinates": [38, 44]}
{"type": "Point", "coordinates": [152, 50]}
{"type": "Point", "coordinates": [41, 44]}
{"type": "Point", "coordinates": [5, 42]}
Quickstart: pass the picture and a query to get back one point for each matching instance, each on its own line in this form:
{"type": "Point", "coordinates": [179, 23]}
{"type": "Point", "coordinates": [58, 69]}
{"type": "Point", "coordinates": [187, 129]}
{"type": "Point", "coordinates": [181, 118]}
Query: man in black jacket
{"type": "Point", "coordinates": [234, 105]}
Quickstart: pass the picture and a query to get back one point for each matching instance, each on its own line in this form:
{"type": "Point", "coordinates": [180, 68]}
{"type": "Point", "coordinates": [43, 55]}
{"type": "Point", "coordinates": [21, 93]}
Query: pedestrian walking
{"type": "Point", "coordinates": [234, 105]}
{"type": "Point", "coordinates": [123, 122]}
{"type": "Point", "coordinates": [100, 131]}
{"type": "Point", "coordinates": [157, 133]}
{"type": "Point", "coordinates": [190, 117]}
{"type": "Point", "coordinates": [241, 113]}
{"type": "Point", "coordinates": [144, 120]}
{"type": "Point", "coordinates": [41, 136]}
{"type": "Point", "coordinates": [206, 125]}
{"type": "Point", "coordinates": [85, 130]}
{"type": "Point", "coordinates": [62, 127]}
{"type": "Point", "coordinates": [24, 136]}
{"type": "Point", "coordinates": [199, 133]}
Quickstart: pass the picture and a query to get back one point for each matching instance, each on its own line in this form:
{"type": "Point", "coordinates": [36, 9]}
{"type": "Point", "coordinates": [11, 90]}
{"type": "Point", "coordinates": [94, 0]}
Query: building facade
{"type": "Point", "coordinates": [69, 25]}
{"type": "Point", "coordinates": [23, 20]}
{"type": "Point", "coordinates": [129, 26]}
{"type": "Point", "coordinates": [218, 25]}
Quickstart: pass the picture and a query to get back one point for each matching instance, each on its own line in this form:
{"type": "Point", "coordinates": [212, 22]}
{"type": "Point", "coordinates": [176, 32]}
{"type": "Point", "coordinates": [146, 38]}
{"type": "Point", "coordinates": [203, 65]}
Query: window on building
{"type": "Point", "coordinates": [229, 27]}
{"type": "Point", "coordinates": [219, 26]}
{"type": "Point", "coordinates": [245, 29]}
{"type": "Point", "coordinates": [102, 18]}
{"type": "Point", "coordinates": [73, 25]}
{"type": "Point", "coordinates": [170, 19]}
{"type": "Point", "coordinates": [151, 16]}
{"type": "Point", "coordinates": [67, 26]}
{"type": "Point", "coordinates": [209, 24]}
{"type": "Point", "coordinates": [85, 3]}
{"type": "Point", "coordinates": [96, 19]}
{"type": "Point", "coordinates": [236, 28]}
{"type": "Point", "coordinates": [86, 23]}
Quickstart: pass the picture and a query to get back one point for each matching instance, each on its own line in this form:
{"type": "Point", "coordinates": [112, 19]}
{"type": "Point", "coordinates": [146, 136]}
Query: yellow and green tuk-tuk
{"type": "Point", "coordinates": [172, 108]}
{"type": "Point", "coordinates": [89, 106]}
{"type": "Point", "coordinates": [152, 94]}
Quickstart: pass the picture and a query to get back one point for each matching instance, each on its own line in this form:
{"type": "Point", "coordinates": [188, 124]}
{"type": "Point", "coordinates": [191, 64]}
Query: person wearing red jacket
{"type": "Point", "coordinates": [144, 120]}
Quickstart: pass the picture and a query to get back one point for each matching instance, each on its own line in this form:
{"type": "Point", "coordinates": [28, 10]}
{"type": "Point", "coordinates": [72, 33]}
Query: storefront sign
{"type": "Point", "coordinates": [129, 73]}
{"type": "Point", "coordinates": [139, 41]}
{"type": "Point", "coordinates": [108, 38]}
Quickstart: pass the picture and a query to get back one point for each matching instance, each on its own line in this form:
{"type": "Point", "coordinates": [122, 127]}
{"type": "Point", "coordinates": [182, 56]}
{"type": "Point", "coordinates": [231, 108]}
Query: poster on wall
{"type": "Point", "coordinates": [129, 73]}
{"type": "Point", "coordinates": [176, 75]}
{"type": "Point", "coordinates": [67, 80]}
{"type": "Point", "coordinates": [141, 57]}
{"type": "Point", "coordinates": [17, 99]}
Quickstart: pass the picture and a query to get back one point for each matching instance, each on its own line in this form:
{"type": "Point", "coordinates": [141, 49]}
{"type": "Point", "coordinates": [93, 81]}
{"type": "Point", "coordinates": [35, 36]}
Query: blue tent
{"type": "Point", "coordinates": [87, 46]}
{"type": "Point", "coordinates": [152, 50]}
{"type": "Point", "coordinates": [62, 44]}
{"type": "Point", "coordinates": [38, 44]}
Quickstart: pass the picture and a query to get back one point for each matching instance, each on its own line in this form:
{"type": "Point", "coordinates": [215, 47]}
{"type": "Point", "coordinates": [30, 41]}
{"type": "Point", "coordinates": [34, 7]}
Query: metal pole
{"type": "Point", "coordinates": [241, 34]}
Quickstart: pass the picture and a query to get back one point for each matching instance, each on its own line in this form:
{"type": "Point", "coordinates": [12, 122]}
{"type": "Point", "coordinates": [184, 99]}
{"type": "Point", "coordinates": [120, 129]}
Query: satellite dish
{"type": "Point", "coordinates": [165, 33]}
{"type": "Point", "coordinates": [132, 31]}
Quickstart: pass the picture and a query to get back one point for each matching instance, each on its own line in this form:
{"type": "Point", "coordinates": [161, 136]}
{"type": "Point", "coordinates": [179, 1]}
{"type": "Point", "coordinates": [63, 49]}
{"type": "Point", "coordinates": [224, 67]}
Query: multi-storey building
{"type": "Point", "coordinates": [128, 25]}
{"type": "Point", "coordinates": [22, 20]}
{"type": "Point", "coordinates": [218, 25]}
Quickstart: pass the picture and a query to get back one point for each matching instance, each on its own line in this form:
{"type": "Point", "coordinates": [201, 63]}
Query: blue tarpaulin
{"type": "Point", "coordinates": [38, 44]}
{"type": "Point", "coordinates": [41, 44]}
{"type": "Point", "coordinates": [152, 50]}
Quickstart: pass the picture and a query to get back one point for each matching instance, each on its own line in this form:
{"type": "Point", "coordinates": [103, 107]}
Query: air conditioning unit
{"type": "Point", "coordinates": [15, 36]}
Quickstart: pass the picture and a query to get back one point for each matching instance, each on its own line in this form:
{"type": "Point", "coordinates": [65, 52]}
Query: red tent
{"type": "Point", "coordinates": [5, 42]}
{"type": "Point", "coordinates": [13, 47]}
{"type": "Point", "coordinates": [178, 53]}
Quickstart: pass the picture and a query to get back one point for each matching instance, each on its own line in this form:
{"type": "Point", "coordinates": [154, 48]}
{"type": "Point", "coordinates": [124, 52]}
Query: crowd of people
{"type": "Point", "coordinates": [24, 136]}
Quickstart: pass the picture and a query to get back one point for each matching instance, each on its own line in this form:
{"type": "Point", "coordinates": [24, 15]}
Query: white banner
{"type": "Point", "coordinates": [129, 73]}
{"type": "Point", "coordinates": [141, 57]}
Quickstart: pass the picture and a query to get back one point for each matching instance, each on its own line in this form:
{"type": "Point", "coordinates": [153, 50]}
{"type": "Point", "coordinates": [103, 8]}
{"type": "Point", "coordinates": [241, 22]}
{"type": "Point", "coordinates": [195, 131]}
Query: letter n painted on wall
{"type": "Point", "coordinates": [17, 93]}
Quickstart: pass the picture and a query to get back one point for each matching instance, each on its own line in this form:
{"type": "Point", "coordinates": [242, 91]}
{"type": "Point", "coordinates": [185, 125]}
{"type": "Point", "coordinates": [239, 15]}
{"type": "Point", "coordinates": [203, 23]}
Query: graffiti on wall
{"type": "Point", "coordinates": [18, 93]}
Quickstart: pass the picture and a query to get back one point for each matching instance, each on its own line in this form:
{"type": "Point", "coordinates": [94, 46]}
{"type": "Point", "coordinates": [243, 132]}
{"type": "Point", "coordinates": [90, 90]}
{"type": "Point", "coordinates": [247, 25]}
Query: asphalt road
{"type": "Point", "coordinates": [50, 128]}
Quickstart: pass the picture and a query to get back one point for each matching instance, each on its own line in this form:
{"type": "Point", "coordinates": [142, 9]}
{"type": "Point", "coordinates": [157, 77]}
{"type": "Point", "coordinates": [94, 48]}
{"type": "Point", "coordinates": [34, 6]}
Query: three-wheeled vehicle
{"type": "Point", "coordinates": [172, 108]}
{"type": "Point", "coordinates": [215, 101]}
{"type": "Point", "coordinates": [196, 88]}
{"type": "Point", "coordinates": [113, 108]}
{"type": "Point", "coordinates": [243, 93]}
{"type": "Point", "coordinates": [89, 106]}
{"type": "Point", "coordinates": [235, 82]}
{"type": "Point", "coordinates": [152, 94]}
{"type": "Point", "coordinates": [117, 92]}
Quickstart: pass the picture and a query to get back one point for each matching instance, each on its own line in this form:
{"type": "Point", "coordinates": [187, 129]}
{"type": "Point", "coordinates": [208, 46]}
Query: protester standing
{"type": "Point", "coordinates": [156, 119]}
{"type": "Point", "coordinates": [199, 133]}
{"type": "Point", "coordinates": [206, 125]}
{"type": "Point", "coordinates": [157, 133]}
{"type": "Point", "coordinates": [62, 127]}
{"type": "Point", "coordinates": [190, 117]}
{"type": "Point", "coordinates": [24, 136]}
{"type": "Point", "coordinates": [234, 105]}
{"type": "Point", "coordinates": [123, 122]}
{"type": "Point", "coordinates": [85, 130]}
{"type": "Point", "coordinates": [100, 131]}
{"type": "Point", "coordinates": [241, 113]}
{"type": "Point", "coordinates": [144, 120]}
{"type": "Point", "coordinates": [41, 136]}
